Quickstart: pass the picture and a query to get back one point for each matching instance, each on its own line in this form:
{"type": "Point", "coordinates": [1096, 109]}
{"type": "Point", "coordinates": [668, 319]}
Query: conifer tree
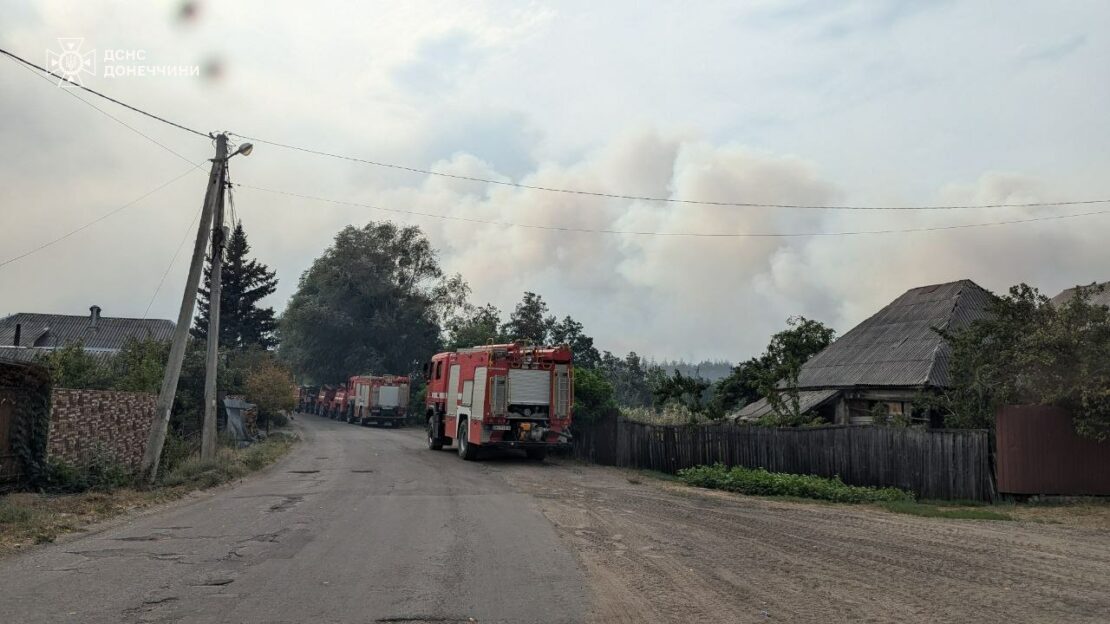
{"type": "Point", "coordinates": [245, 282]}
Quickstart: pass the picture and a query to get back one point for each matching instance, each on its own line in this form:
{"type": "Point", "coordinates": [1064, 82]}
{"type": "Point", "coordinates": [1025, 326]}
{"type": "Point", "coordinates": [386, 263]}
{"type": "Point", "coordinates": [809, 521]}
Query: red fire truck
{"type": "Point", "coordinates": [324, 399]}
{"type": "Point", "coordinates": [500, 396]}
{"type": "Point", "coordinates": [378, 399]}
{"type": "Point", "coordinates": [338, 408]}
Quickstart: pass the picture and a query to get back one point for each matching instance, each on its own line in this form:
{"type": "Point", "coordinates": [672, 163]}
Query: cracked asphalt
{"type": "Point", "coordinates": [356, 525]}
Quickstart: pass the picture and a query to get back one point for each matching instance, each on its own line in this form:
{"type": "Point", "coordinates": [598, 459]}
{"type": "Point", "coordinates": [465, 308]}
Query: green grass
{"type": "Point", "coordinates": [228, 464]}
{"type": "Point", "coordinates": [12, 514]}
{"type": "Point", "coordinates": [759, 482]}
{"type": "Point", "coordinates": [944, 509]}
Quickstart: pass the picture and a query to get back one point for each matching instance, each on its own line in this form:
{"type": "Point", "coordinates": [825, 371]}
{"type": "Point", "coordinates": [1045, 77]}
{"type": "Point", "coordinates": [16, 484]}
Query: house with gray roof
{"type": "Point", "coordinates": [1100, 294]}
{"type": "Point", "coordinates": [888, 360]}
{"type": "Point", "coordinates": [23, 335]}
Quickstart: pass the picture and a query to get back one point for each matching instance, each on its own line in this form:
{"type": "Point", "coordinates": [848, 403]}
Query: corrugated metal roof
{"type": "Point", "coordinates": [898, 345]}
{"type": "Point", "coordinates": [807, 400]}
{"type": "Point", "coordinates": [62, 329]}
{"type": "Point", "coordinates": [1100, 298]}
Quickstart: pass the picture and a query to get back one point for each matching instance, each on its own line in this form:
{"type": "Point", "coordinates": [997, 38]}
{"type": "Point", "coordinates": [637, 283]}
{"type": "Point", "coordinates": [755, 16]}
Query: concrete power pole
{"type": "Point", "coordinates": [211, 395]}
{"type": "Point", "coordinates": [161, 420]}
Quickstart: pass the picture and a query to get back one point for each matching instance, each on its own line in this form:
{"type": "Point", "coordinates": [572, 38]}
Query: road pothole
{"type": "Point", "coordinates": [287, 503]}
{"type": "Point", "coordinates": [215, 582]}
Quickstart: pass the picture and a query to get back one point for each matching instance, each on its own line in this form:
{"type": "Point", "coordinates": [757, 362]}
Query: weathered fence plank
{"type": "Point", "coordinates": [944, 464]}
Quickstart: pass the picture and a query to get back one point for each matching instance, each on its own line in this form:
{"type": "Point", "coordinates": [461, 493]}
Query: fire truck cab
{"type": "Point", "coordinates": [500, 396]}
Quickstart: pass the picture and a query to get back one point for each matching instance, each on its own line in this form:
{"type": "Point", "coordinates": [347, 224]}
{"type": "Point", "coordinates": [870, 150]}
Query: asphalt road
{"type": "Point", "coordinates": [356, 525]}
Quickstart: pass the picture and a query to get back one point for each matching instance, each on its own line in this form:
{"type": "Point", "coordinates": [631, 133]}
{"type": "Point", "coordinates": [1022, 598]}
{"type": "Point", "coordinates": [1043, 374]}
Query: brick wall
{"type": "Point", "coordinates": [83, 420]}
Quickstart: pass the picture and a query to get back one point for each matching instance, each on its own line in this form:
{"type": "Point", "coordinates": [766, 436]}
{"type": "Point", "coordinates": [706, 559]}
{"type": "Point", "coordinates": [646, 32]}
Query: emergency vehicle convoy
{"type": "Point", "coordinates": [378, 400]}
{"type": "Point", "coordinates": [365, 399]}
{"type": "Point", "coordinates": [500, 396]}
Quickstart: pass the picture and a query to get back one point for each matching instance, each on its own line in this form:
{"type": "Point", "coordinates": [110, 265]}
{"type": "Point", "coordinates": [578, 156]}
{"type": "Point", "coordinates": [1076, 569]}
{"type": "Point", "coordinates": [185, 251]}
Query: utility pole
{"type": "Point", "coordinates": [161, 420]}
{"type": "Point", "coordinates": [211, 395]}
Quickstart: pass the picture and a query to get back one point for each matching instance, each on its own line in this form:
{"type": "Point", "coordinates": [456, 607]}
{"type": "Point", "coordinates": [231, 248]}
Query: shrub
{"type": "Point", "coordinates": [760, 482]}
{"type": "Point", "coordinates": [270, 387]}
{"type": "Point", "coordinates": [177, 448]}
{"type": "Point", "coordinates": [205, 472]}
{"type": "Point", "coordinates": [228, 464]}
{"type": "Point", "coordinates": [12, 514]}
{"type": "Point", "coordinates": [99, 471]}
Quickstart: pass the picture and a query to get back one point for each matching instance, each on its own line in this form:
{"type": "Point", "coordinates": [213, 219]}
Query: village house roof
{"type": "Point", "coordinates": [99, 334]}
{"type": "Point", "coordinates": [1100, 298]}
{"type": "Point", "coordinates": [898, 347]}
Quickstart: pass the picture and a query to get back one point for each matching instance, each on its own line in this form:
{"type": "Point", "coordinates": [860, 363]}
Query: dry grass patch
{"type": "Point", "coordinates": [28, 518]}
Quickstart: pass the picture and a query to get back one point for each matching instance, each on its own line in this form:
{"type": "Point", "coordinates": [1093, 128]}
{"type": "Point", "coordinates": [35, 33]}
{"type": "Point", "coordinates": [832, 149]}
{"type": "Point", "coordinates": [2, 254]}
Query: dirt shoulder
{"type": "Point", "coordinates": [30, 518]}
{"type": "Point", "coordinates": [662, 552]}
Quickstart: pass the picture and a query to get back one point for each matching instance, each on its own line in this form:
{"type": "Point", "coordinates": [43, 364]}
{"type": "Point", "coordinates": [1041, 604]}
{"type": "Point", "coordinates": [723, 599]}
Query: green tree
{"type": "Point", "coordinates": [374, 301]}
{"type": "Point", "coordinates": [774, 374]}
{"type": "Point", "coordinates": [139, 366]}
{"type": "Point", "coordinates": [270, 387]}
{"type": "Point", "coordinates": [244, 283]}
{"type": "Point", "coordinates": [529, 321]}
{"type": "Point", "coordinates": [71, 366]}
{"type": "Point", "coordinates": [1029, 351]}
{"type": "Point", "coordinates": [476, 326]}
{"type": "Point", "coordinates": [691, 393]}
{"type": "Point", "coordinates": [570, 332]}
{"type": "Point", "coordinates": [632, 378]}
{"type": "Point", "coordinates": [593, 396]}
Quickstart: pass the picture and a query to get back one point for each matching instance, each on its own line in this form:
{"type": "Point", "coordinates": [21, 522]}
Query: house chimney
{"type": "Point", "coordinates": [94, 316]}
{"type": "Point", "coordinates": [18, 332]}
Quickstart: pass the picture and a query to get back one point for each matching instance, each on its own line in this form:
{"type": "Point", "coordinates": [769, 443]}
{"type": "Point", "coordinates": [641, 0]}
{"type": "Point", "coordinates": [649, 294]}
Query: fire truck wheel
{"type": "Point", "coordinates": [536, 454]}
{"type": "Point", "coordinates": [467, 451]}
{"type": "Point", "coordinates": [435, 443]}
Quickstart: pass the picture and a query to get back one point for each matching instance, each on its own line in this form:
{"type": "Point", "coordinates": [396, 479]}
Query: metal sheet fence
{"type": "Point", "coordinates": [1040, 453]}
{"type": "Point", "coordinates": [937, 464]}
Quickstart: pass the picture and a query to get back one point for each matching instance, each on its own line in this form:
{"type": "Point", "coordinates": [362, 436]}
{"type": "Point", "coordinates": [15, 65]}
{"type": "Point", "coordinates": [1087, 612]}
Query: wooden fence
{"type": "Point", "coordinates": [937, 464]}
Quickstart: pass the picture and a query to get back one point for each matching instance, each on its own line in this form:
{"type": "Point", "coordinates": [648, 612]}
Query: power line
{"type": "Point", "coordinates": [675, 234]}
{"type": "Point", "coordinates": [176, 252]}
{"type": "Point", "coordinates": [99, 94]}
{"type": "Point", "coordinates": [670, 200]}
{"type": "Point", "coordinates": [98, 219]}
{"type": "Point", "coordinates": [549, 189]}
{"type": "Point", "coordinates": [114, 118]}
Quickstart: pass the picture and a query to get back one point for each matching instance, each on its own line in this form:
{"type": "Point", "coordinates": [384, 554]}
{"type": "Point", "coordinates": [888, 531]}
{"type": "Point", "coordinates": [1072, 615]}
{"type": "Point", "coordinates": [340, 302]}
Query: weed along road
{"type": "Point", "coordinates": [367, 525]}
{"type": "Point", "coordinates": [356, 525]}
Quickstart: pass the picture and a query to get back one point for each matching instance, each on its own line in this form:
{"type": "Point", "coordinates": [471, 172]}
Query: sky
{"type": "Point", "coordinates": [871, 103]}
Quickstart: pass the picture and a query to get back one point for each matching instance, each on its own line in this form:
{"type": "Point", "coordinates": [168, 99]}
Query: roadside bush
{"type": "Point", "coordinates": [760, 482]}
{"type": "Point", "coordinates": [177, 449]}
{"type": "Point", "coordinates": [267, 452]}
{"type": "Point", "coordinates": [206, 472]}
{"type": "Point", "coordinates": [229, 464]}
{"type": "Point", "coordinates": [11, 514]}
{"type": "Point", "coordinates": [100, 471]}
